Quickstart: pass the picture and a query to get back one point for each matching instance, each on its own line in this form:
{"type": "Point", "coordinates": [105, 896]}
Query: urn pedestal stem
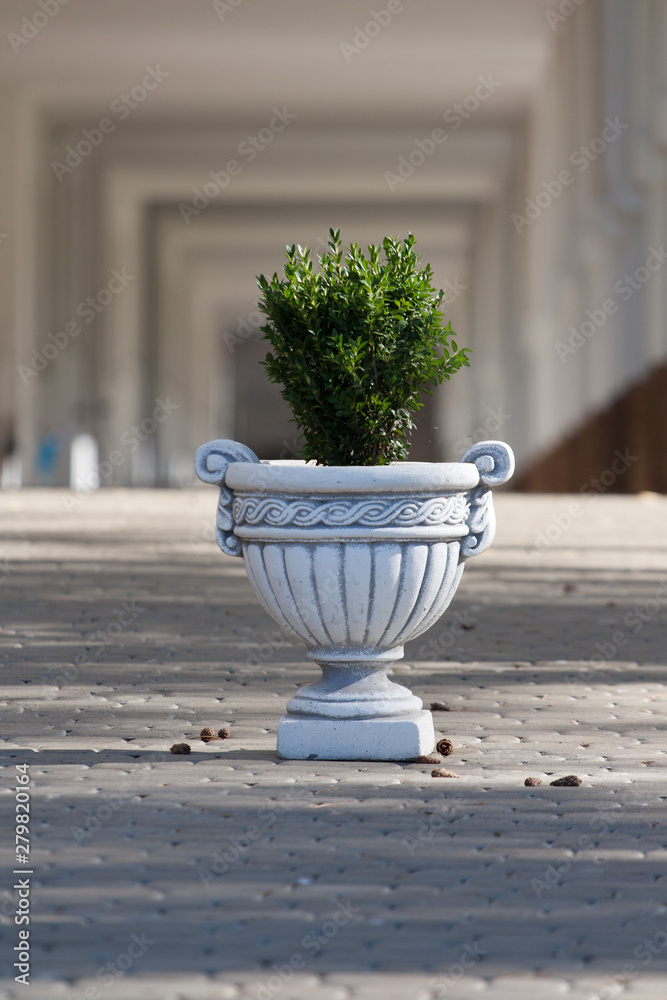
{"type": "Point", "coordinates": [354, 713]}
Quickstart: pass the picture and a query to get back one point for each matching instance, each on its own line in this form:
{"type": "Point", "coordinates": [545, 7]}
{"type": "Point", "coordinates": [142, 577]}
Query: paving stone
{"type": "Point", "coordinates": [232, 862]}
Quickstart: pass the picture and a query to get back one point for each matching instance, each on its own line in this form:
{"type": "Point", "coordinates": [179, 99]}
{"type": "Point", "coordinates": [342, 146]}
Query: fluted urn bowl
{"type": "Point", "coordinates": [354, 561]}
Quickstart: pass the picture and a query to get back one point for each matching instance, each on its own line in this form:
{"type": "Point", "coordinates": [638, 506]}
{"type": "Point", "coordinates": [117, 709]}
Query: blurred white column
{"type": "Point", "coordinates": [84, 467]}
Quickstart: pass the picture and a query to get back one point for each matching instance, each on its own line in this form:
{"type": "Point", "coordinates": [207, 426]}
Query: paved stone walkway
{"type": "Point", "coordinates": [231, 874]}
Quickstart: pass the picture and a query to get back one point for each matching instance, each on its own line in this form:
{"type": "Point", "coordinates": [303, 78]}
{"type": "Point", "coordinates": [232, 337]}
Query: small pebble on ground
{"type": "Point", "coordinates": [207, 734]}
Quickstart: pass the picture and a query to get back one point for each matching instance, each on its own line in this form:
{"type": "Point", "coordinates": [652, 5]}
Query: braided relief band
{"type": "Point", "coordinates": [302, 513]}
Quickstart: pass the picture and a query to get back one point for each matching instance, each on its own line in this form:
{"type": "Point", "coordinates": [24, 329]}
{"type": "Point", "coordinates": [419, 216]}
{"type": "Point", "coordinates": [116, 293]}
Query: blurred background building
{"type": "Point", "coordinates": [156, 155]}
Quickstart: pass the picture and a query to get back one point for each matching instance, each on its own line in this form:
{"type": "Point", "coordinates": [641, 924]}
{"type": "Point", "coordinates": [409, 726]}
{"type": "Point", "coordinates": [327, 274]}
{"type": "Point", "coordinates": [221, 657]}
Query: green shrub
{"type": "Point", "coordinates": [354, 345]}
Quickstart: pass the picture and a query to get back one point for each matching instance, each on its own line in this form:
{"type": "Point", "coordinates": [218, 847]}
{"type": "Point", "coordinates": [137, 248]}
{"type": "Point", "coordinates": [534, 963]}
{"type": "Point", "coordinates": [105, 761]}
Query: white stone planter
{"type": "Point", "coordinates": [354, 561]}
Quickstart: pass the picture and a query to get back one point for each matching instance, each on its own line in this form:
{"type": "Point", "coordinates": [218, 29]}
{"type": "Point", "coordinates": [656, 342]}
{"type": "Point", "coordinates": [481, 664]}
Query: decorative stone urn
{"type": "Point", "coordinates": [354, 561]}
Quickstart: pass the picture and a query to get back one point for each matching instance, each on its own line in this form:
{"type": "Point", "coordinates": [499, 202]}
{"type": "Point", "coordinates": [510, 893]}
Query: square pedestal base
{"type": "Point", "coordinates": [402, 737]}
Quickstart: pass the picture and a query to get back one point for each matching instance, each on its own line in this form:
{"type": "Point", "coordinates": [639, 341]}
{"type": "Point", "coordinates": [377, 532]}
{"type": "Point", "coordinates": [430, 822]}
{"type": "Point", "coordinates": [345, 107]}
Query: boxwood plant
{"type": "Point", "coordinates": [354, 345]}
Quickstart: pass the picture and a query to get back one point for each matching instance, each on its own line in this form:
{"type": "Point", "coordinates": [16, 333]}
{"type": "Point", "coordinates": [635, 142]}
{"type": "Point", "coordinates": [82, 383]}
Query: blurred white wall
{"type": "Point", "coordinates": [157, 155]}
